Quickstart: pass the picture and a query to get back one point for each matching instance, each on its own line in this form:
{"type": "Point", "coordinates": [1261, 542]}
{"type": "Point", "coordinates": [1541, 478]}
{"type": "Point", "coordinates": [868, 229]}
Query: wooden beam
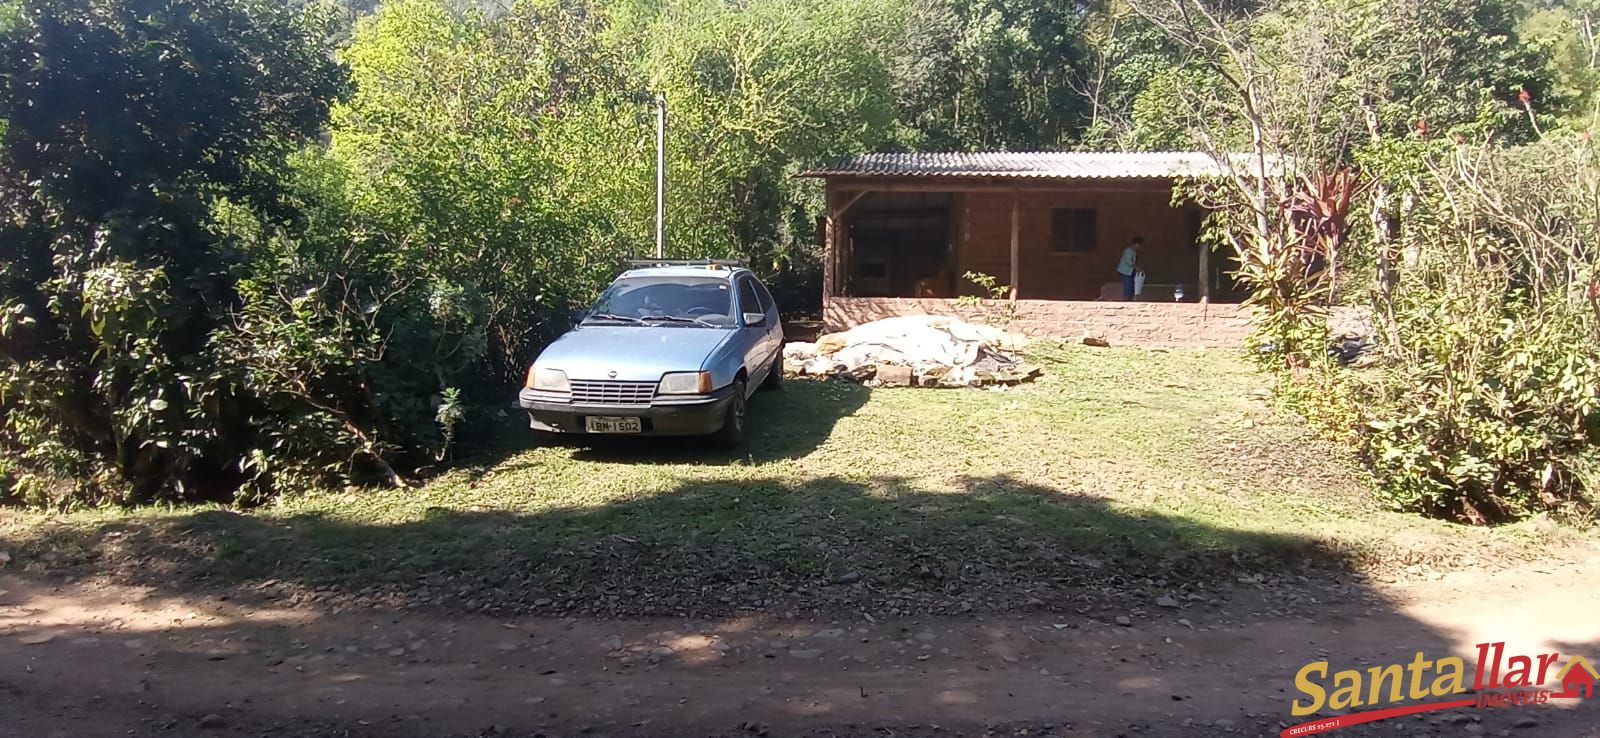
{"type": "Point", "coordinates": [847, 248]}
{"type": "Point", "coordinates": [845, 208]}
{"type": "Point", "coordinates": [835, 262]}
{"type": "Point", "coordinates": [958, 240]}
{"type": "Point", "coordinates": [1016, 242]}
{"type": "Point", "coordinates": [1205, 272]}
{"type": "Point", "coordinates": [830, 257]}
{"type": "Point", "coordinates": [830, 247]}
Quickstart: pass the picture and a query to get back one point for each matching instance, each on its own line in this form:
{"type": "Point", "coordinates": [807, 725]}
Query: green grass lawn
{"type": "Point", "coordinates": [1118, 467]}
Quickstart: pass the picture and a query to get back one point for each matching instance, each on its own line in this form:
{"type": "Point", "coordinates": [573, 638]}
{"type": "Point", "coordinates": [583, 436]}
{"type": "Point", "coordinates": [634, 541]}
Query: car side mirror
{"type": "Point", "coordinates": [753, 320]}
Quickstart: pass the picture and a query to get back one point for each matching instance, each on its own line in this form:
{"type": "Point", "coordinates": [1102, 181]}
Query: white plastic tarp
{"type": "Point", "coordinates": [910, 341]}
{"type": "Point", "coordinates": [936, 348]}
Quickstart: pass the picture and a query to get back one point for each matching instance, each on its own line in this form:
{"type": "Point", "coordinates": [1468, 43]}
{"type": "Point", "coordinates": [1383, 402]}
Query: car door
{"type": "Point", "coordinates": [753, 338]}
{"type": "Point", "coordinates": [774, 335]}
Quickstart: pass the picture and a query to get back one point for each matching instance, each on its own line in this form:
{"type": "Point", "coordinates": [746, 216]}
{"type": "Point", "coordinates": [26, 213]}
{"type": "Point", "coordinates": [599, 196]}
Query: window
{"type": "Point", "coordinates": [704, 298]}
{"type": "Point", "coordinates": [1072, 230]}
{"type": "Point", "coordinates": [766, 297]}
{"type": "Point", "coordinates": [748, 302]}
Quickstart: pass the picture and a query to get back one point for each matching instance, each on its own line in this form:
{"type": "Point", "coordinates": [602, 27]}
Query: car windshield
{"type": "Point", "coordinates": [680, 300]}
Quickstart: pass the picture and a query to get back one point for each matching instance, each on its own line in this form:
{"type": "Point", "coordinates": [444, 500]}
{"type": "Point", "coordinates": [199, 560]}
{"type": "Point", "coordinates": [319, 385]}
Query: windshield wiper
{"type": "Point", "coordinates": [613, 316]}
{"type": "Point", "coordinates": [678, 319]}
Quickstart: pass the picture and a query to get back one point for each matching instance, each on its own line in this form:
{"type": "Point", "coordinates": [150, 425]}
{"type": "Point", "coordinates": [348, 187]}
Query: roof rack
{"type": "Point", "coordinates": [707, 263]}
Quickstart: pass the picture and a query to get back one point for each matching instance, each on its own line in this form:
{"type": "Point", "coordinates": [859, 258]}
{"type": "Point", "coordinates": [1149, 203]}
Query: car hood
{"type": "Point", "coordinates": [635, 353]}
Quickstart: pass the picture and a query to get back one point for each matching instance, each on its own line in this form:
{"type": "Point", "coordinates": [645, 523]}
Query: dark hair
{"type": "Point", "coordinates": [1138, 240]}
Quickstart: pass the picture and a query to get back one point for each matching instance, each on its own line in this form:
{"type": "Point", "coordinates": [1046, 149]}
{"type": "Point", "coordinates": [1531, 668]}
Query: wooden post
{"type": "Point", "coordinates": [830, 247]}
{"type": "Point", "coordinates": [1205, 272]}
{"type": "Point", "coordinates": [847, 253]}
{"type": "Point", "coordinates": [1016, 248]}
{"type": "Point", "coordinates": [835, 260]}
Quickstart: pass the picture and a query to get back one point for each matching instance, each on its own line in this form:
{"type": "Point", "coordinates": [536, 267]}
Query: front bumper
{"type": "Point", "coordinates": [689, 415]}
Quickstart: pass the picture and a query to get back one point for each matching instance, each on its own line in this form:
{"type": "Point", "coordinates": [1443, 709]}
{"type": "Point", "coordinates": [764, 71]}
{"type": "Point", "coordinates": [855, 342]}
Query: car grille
{"type": "Point", "coordinates": [588, 392]}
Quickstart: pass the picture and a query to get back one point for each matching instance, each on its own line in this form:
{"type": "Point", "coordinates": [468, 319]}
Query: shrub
{"type": "Point", "coordinates": [1487, 407]}
{"type": "Point", "coordinates": [1005, 313]}
{"type": "Point", "coordinates": [110, 282]}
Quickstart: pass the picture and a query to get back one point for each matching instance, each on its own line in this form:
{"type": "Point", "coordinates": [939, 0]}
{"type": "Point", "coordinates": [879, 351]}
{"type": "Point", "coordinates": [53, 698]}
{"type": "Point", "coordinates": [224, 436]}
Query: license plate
{"type": "Point", "coordinates": [602, 424]}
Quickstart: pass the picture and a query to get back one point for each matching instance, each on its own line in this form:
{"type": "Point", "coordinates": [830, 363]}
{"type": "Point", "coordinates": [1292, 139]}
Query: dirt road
{"type": "Point", "coordinates": [79, 660]}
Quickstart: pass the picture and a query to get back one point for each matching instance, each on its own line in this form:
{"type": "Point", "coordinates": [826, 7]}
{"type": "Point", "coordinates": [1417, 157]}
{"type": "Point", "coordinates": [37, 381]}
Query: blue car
{"type": "Point", "coordinates": [668, 349]}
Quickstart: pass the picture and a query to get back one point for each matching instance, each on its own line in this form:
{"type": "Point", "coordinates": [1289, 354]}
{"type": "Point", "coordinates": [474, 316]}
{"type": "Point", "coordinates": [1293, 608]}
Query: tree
{"type": "Point", "coordinates": [1317, 85]}
{"type": "Point", "coordinates": [490, 150]}
{"type": "Point", "coordinates": [986, 75]}
{"type": "Point", "coordinates": [1132, 73]}
{"type": "Point", "coordinates": [757, 92]}
{"type": "Point", "coordinates": [124, 121]}
{"type": "Point", "coordinates": [1563, 35]}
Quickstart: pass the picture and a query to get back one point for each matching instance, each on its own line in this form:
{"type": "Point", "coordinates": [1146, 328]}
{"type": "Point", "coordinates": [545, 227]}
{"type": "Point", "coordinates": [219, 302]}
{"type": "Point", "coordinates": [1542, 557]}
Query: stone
{"type": "Point", "coordinates": [891, 375]}
{"type": "Point", "coordinates": [1165, 601]}
{"type": "Point", "coordinates": [1124, 621]}
{"type": "Point", "coordinates": [805, 653]}
{"type": "Point", "coordinates": [1095, 341]}
{"type": "Point", "coordinates": [212, 721]}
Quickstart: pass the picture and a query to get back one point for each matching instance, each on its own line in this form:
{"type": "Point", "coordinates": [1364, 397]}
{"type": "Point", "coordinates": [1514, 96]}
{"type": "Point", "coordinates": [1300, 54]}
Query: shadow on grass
{"type": "Point", "coordinates": [786, 424]}
{"type": "Point", "coordinates": [988, 544]}
{"type": "Point", "coordinates": [843, 548]}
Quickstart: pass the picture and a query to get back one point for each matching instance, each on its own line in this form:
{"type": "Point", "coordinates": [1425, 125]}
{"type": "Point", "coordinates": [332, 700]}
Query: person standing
{"type": "Point", "coordinates": [1128, 266]}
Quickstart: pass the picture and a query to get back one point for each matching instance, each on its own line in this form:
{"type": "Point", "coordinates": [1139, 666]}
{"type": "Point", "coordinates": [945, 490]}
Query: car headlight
{"type": "Point", "coordinates": [685, 383]}
{"type": "Point", "coordinates": [548, 380]}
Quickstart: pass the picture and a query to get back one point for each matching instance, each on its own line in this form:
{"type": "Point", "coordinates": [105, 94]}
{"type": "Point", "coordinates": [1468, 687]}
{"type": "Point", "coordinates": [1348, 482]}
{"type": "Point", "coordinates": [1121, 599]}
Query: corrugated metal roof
{"type": "Point", "coordinates": [1034, 164]}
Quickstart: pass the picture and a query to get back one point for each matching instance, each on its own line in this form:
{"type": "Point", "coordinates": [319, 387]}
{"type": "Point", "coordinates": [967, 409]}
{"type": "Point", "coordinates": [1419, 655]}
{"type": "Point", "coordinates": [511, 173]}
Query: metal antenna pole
{"type": "Point", "coordinates": [661, 175]}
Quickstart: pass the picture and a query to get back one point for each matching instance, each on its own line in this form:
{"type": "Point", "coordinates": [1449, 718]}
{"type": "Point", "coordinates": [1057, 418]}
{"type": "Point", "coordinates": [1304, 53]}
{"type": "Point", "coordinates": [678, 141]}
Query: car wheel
{"type": "Point", "coordinates": [774, 378]}
{"type": "Point", "coordinates": [732, 433]}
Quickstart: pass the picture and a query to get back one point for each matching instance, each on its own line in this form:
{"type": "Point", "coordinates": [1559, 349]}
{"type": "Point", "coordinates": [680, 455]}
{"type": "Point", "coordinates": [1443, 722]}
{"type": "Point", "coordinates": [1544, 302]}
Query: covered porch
{"type": "Point", "coordinates": [902, 230]}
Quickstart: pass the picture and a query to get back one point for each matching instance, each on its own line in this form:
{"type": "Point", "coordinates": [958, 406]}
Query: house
{"type": "Point", "coordinates": [1575, 681]}
{"type": "Point", "coordinates": [902, 230]}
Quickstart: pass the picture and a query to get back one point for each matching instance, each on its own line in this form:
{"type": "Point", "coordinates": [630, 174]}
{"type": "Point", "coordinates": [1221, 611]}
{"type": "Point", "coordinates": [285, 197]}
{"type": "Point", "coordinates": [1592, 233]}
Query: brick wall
{"type": "Point", "coordinates": [1151, 324]}
{"type": "Point", "coordinates": [1169, 255]}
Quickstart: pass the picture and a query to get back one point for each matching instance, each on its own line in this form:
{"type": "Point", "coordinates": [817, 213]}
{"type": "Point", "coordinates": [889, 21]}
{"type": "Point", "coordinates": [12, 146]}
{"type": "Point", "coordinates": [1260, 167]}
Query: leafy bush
{"type": "Point", "coordinates": [114, 149]}
{"type": "Point", "coordinates": [344, 342]}
{"type": "Point", "coordinates": [485, 150]}
{"type": "Point", "coordinates": [233, 278]}
{"type": "Point", "coordinates": [998, 293]}
{"type": "Point", "coordinates": [1487, 407]}
{"type": "Point", "coordinates": [1286, 236]}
